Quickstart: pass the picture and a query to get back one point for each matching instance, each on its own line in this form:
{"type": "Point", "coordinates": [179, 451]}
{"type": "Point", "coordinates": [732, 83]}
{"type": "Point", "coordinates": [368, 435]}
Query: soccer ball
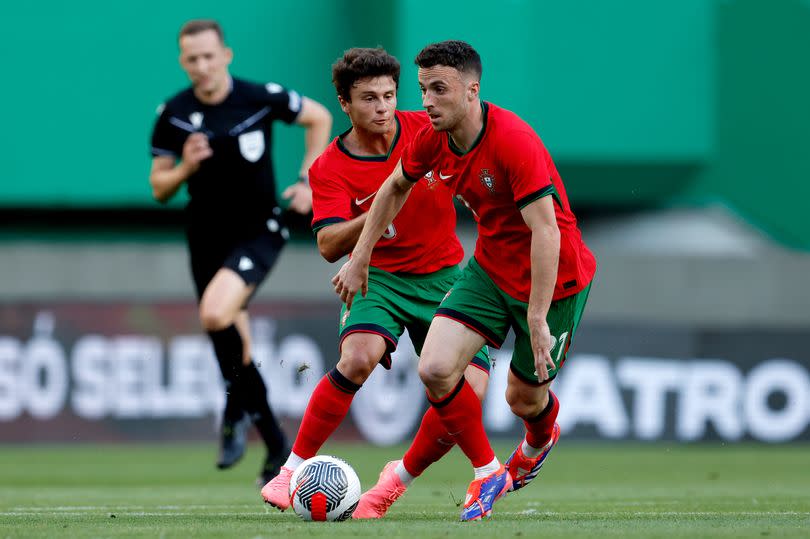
{"type": "Point", "coordinates": [324, 488]}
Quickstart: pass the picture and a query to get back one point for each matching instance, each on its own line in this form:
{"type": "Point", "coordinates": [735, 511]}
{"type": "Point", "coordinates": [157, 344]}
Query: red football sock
{"type": "Point", "coordinates": [327, 407]}
{"type": "Point", "coordinates": [538, 429]}
{"type": "Point", "coordinates": [461, 415]}
{"type": "Point", "coordinates": [431, 443]}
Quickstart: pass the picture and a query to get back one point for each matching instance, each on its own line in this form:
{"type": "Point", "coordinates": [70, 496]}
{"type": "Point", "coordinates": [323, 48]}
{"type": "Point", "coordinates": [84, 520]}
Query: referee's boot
{"type": "Point", "coordinates": [233, 441]}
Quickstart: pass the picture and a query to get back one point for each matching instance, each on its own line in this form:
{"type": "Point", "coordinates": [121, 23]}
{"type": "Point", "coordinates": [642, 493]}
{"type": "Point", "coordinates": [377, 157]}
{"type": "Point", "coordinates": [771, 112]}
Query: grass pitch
{"type": "Point", "coordinates": [605, 490]}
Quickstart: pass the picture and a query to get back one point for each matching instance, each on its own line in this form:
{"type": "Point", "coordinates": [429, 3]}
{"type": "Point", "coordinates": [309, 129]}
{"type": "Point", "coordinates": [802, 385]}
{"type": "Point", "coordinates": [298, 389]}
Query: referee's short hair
{"type": "Point", "coordinates": [195, 26]}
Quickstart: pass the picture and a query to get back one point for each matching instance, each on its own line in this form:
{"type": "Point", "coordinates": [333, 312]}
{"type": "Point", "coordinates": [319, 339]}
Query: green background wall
{"type": "Point", "coordinates": [642, 104]}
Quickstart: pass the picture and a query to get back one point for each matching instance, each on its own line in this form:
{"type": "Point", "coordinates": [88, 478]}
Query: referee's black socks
{"type": "Point", "coordinates": [228, 348]}
{"type": "Point", "coordinates": [254, 398]}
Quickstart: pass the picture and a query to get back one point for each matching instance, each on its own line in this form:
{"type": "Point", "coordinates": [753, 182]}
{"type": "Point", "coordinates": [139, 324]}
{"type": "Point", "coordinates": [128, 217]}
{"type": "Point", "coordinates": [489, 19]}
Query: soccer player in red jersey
{"type": "Point", "coordinates": [531, 270]}
{"type": "Point", "coordinates": [412, 268]}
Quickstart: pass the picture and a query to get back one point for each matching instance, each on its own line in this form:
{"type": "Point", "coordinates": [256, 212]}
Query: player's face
{"type": "Point", "coordinates": [372, 105]}
{"type": "Point", "coordinates": [447, 95]}
{"type": "Point", "coordinates": [205, 60]}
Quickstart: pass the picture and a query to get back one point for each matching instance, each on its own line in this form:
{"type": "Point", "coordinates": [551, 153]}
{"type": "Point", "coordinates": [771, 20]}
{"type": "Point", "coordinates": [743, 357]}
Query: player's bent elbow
{"type": "Point", "coordinates": [329, 251]}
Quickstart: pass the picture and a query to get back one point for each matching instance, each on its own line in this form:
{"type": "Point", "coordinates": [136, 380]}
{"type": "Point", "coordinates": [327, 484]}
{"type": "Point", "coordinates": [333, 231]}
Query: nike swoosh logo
{"type": "Point", "coordinates": [361, 201]}
{"type": "Point", "coordinates": [443, 177]}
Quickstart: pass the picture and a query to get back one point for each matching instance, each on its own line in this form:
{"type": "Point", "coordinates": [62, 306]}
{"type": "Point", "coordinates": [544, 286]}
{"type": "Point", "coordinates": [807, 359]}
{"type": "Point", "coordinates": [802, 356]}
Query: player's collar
{"type": "Point", "coordinates": [382, 157]}
{"type": "Point", "coordinates": [458, 151]}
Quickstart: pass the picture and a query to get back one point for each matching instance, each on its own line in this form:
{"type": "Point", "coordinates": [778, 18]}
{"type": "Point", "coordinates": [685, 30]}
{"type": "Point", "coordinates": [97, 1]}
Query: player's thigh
{"type": "Point", "coordinates": [449, 345]}
{"type": "Point", "coordinates": [378, 313]}
{"type": "Point", "coordinates": [223, 298]}
{"type": "Point", "coordinates": [427, 293]}
{"type": "Point", "coordinates": [420, 295]}
{"type": "Point", "coordinates": [476, 302]}
{"type": "Point", "coordinates": [563, 319]}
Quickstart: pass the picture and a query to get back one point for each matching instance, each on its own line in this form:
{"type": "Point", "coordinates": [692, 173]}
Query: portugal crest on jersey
{"type": "Point", "coordinates": [431, 179]}
{"type": "Point", "coordinates": [487, 179]}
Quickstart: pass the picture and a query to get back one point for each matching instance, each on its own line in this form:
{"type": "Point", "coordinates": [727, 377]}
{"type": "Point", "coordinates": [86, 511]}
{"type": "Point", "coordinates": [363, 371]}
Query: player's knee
{"type": "Point", "coordinates": [213, 319]}
{"type": "Point", "coordinates": [356, 365]}
{"type": "Point", "coordinates": [435, 374]}
{"type": "Point", "coordinates": [523, 406]}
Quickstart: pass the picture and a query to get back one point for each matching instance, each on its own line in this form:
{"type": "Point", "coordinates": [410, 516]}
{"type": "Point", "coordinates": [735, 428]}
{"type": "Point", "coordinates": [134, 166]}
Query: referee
{"type": "Point", "coordinates": [216, 138]}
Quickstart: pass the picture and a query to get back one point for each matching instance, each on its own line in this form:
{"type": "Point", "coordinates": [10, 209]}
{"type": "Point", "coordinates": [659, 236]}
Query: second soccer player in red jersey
{"type": "Point", "coordinates": [531, 270]}
{"type": "Point", "coordinates": [412, 267]}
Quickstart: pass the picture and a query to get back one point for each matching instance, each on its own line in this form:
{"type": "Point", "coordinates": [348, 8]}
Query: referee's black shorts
{"type": "Point", "coordinates": [252, 259]}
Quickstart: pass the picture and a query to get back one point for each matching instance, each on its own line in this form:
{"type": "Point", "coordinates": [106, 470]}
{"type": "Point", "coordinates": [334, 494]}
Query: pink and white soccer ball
{"type": "Point", "coordinates": [324, 488]}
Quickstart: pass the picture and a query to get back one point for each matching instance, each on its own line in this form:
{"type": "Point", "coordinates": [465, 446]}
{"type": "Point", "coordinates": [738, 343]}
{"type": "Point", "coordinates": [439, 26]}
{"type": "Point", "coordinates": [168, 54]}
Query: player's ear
{"type": "Point", "coordinates": [344, 105]}
{"type": "Point", "coordinates": [228, 55]}
{"type": "Point", "coordinates": [473, 89]}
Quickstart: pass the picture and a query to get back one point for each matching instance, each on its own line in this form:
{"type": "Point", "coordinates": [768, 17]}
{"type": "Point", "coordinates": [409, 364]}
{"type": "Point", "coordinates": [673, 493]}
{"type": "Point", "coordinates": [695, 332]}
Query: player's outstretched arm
{"type": "Point", "coordinates": [545, 257]}
{"type": "Point", "coordinates": [353, 276]}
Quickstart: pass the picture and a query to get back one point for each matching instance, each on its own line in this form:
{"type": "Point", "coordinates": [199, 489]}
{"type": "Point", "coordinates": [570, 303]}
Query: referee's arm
{"type": "Point", "coordinates": [317, 123]}
{"type": "Point", "coordinates": [168, 174]}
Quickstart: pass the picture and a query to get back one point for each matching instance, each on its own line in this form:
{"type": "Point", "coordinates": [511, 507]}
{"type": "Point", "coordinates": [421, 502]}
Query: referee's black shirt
{"type": "Point", "coordinates": [233, 193]}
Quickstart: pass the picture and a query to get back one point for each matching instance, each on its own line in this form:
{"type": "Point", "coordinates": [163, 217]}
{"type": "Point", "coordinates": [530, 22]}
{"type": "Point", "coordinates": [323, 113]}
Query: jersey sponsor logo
{"type": "Point", "coordinates": [251, 145]}
{"type": "Point", "coordinates": [361, 201]}
{"type": "Point", "coordinates": [245, 264]}
{"type": "Point", "coordinates": [487, 179]}
{"type": "Point", "coordinates": [444, 177]}
{"type": "Point", "coordinates": [273, 88]}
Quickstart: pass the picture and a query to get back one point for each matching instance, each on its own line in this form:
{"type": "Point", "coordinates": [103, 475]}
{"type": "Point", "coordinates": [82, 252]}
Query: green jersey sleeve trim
{"type": "Point", "coordinates": [531, 197]}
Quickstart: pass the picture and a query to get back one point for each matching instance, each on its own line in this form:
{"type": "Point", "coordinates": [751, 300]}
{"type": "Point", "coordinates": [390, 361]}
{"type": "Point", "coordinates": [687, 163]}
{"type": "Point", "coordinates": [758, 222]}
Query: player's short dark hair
{"type": "Point", "coordinates": [456, 54]}
{"type": "Point", "coordinates": [195, 26]}
{"type": "Point", "coordinates": [360, 63]}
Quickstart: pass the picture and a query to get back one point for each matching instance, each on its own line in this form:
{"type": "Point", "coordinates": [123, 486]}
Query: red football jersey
{"type": "Point", "coordinates": [422, 239]}
{"type": "Point", "coordinates": [506, 169]}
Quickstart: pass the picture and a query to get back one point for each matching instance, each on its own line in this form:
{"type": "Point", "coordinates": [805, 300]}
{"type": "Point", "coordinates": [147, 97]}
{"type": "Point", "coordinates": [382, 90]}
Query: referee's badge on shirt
{"type": "Point", "coordinates": [251, 145]}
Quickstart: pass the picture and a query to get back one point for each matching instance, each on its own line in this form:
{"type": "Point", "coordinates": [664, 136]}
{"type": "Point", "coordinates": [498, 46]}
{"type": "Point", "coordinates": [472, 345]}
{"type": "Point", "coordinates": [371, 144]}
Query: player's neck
{"type": "Point", "coordinates": [466, 132]}
{"type": "Point", "coordinates": [366, 143]}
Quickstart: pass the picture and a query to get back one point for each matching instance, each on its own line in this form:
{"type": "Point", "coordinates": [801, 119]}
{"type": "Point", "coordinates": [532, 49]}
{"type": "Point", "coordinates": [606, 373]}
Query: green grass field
{"type": "Point", "coordinates": [602, 490]}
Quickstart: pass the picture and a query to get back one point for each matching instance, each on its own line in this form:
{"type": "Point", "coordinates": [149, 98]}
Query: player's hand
{"type": "Point", "coordinates": [353, 276]}
{"type": "Point", "coordinates": [300, 196]}
{"type": "Point", "coordinates": [541, 346]}
{"type": "Point", "coordinates": [195, 150]}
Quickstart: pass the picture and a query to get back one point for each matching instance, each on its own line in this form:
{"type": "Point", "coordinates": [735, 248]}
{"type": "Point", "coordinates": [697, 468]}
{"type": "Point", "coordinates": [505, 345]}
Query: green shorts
{"type": "Point", "coordinates": [396, 301]}
{"type": "Point", "coordinates": [478, 303]}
